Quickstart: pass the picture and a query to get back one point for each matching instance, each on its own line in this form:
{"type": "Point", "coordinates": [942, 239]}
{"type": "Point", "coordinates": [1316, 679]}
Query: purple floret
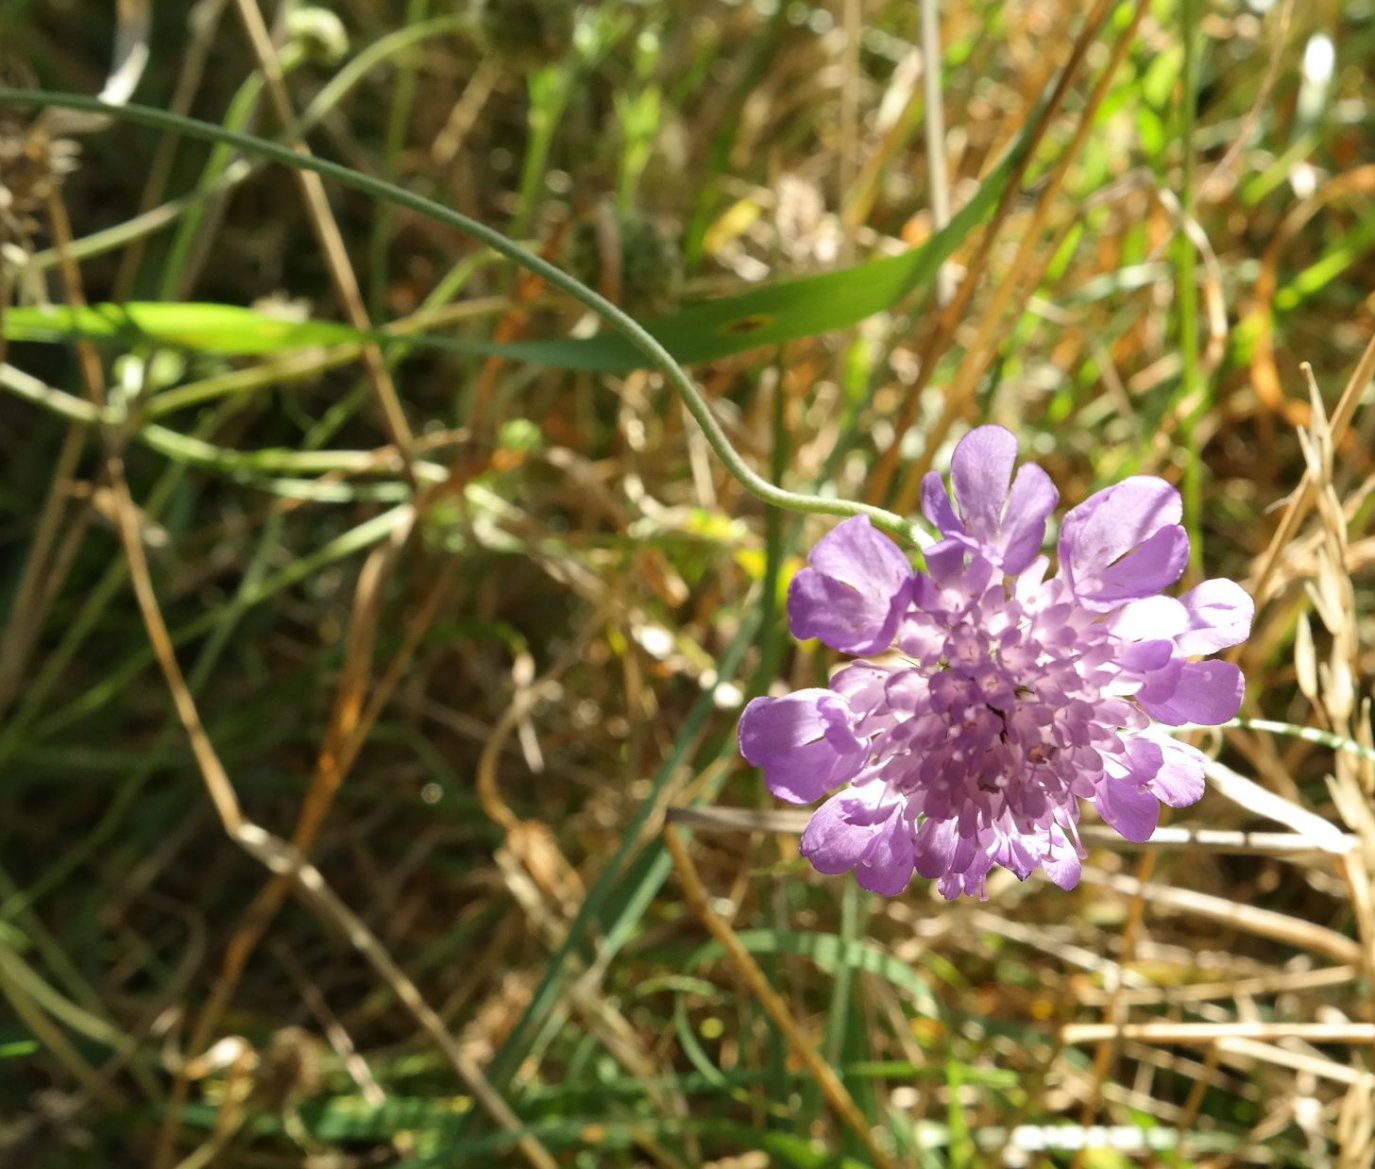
{"type": "Point", "coordinates": [1003, 698]}
{"type": "Point", "coordinates": [854, 590]}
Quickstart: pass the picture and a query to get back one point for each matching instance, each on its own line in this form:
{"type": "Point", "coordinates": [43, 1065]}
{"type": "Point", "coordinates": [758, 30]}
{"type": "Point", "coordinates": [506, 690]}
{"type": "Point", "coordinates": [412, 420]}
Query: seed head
{"type": "Point", "coordinates": [33, 164]}
{"type": "Point", "coordinates": [527, 33]}
{"type": "Point", "coordinates": [628, 258]}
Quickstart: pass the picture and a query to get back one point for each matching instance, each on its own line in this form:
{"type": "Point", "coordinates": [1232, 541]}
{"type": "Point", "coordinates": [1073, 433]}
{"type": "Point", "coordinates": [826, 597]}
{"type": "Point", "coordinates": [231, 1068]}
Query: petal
{"type": "Point", "coordinates": [1003, 518]}
{"type": "Point", "coordinates": [1123, 797]}
{"type": "Point", "coordinates": [980, 472]}
{"type": "Point", "coordinates": [1126, 808]}
{"type": "Point", "coordinates": [832, 841]}
{"type": "Point", "coordinates": [1029, 505]}
{"type": "Point", "coordinates": [1161, 683]}
{"type": "Point", "coordinates": [935, 847]}
{"type": "Point", "coordinates": [1154, 564]}
{"type": "Point", "coordinates": [1015, 852]}
{"type": "Point", "coordinates": [1219, 615]}
{"type": "Point", "coordinates": [936, 505]}
{"type": "Point", "coordinates": [854, 591]}
{"type": "Point", "coordinates": [1209, 693]}
{"type": "Point", "coordinates": [887, 867]}
{"type": "Point", "coordinates": [862, 684]}
{"type": "Point", "coordinates": [1142, 657]}
{"type": "Point", "coordinates": [1124, 543]}
{"type": "Point", "coordinates": [1179, 782]}
{"type": "Point", "coordinates": [1150, 617]}
{"type": "Point", "coordinates": [1062, 863]}
{"type": "Point", "coordinates": [1136, 764]}
{"type": "Point", "coordinates": [968, 879]}
{"type": "Point", "coordinates": [804, 741]}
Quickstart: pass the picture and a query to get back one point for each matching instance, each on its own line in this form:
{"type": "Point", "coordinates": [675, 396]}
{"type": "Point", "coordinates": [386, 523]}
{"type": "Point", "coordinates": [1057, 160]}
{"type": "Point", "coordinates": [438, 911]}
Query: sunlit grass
{"type": "Point", "coordinates": [469, 664]}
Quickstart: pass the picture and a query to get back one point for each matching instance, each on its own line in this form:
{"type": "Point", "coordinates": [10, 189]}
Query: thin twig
{"type": "Point", "coordinates": [1187, 1033]}
{"type": "Point", "coordinates": [331, 239]}
{"type": "Point", "coordinates": [203, 20]}
{"type": "Point", "coordinates": [279, 856]}
{"type": "Point", "coordinates": [717, 819]}
{"type": "Point", "coordinates": [333, 764]}
{"type": "Point", "coordinates": [932, 65]}
{"type": "Point", "coordinates": [1266, 923]}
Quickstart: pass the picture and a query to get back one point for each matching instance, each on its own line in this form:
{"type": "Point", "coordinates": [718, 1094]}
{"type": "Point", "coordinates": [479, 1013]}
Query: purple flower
{"type": "Point", "coordinates": [1001, 697]}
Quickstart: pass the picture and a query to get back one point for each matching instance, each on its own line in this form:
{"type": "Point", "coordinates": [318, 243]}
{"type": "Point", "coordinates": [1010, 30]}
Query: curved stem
{"type": "Point", "coordinates": [636, 333]}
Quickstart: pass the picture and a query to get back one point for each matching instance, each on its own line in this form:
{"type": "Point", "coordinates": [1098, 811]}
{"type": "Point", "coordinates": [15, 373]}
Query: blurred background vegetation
{"type": "Point", "coordinates": [460, 625]}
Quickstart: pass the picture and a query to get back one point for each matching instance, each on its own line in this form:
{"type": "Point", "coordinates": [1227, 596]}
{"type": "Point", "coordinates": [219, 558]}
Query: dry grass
{"type": "Point", "coordinates": [346, 691]}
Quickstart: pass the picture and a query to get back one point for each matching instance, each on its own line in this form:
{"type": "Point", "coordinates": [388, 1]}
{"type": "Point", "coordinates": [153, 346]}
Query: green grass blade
{"type": "Point", "coordinates": [830, 953]}
{"type": "Point", "coordinates": [206, 328]}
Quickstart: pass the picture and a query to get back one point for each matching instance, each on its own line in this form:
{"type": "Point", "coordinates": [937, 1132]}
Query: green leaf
{"type": "Point", "coordinates": [767, 316]}
{"type": "Point", "coordinates": [205, 328]}
{"type": "Point", "coordinates": [775, 313]}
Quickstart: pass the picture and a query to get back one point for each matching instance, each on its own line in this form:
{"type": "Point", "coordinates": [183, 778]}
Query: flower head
{"type": "Point", "coordinates": [1002, 697]}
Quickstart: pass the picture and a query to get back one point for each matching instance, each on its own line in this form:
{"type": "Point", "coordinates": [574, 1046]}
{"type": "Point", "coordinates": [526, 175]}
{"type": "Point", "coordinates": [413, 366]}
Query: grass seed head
{"type": "Point", "coordinates": [33, 165]}
{"type": "Point", "coordinates": [628, 258]}
{"type": "Point", "coordinates": [527, 33]}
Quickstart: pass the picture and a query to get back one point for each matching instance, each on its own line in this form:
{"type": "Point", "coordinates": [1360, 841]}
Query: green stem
{"type": "Point", "coordinates": [1308, 734]}
{"type": "Point", "coordinates": [549, 90]}
{"type": "Point", "coordinates": [403, 97]}
{"type": "Point", "coordinates": [636, 333]}
{"type": "Point", "coordinates": [1193, 390]}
